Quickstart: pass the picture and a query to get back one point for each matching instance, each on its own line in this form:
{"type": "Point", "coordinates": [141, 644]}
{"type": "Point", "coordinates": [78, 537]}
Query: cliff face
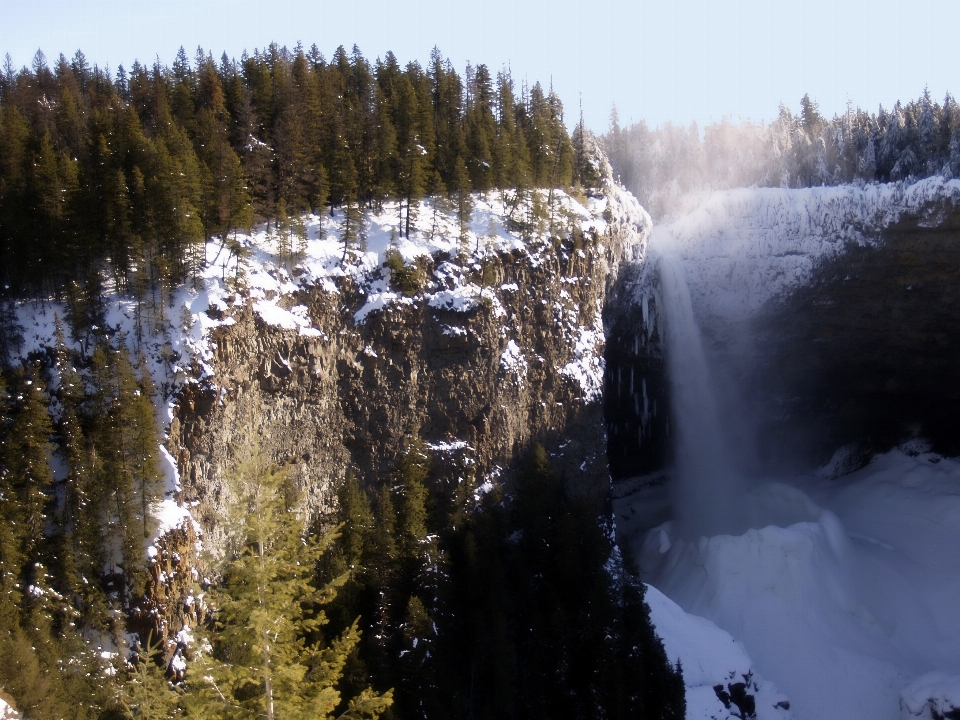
{"type": "Point", "coordinates": [636, 399]}
{"type": "Point", "coordinates": [481, 360]}
{"type": "Point", "coordinates": [867, 353]}
{"type": "Point", "coordinates": [829, 316]}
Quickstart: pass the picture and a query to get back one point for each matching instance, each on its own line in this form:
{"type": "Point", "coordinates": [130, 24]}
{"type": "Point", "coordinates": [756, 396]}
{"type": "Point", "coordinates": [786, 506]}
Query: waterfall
{"type": "Point", "coordinates": [707, 485]}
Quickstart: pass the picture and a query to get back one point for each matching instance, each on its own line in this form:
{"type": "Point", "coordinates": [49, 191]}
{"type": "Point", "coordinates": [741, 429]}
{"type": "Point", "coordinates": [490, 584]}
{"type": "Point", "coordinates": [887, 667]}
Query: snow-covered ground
{"type": "Point", "coordinates": [844, 591]}
{"type": "Point", "coordinates": [713, 665]}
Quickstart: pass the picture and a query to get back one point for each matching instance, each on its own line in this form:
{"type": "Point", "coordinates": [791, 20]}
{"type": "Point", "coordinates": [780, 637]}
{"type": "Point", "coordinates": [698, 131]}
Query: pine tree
{"type": "Point", "coordinates": [358, 522]}
{"type": "Point", "coordinates": [28, 446]}
{"type": "Point", "coordinates": [810, 119]}
{"type": "Point", "coordinates": [124, 470]}
{"type": "Point", "coordinates": [176, 188]}
{"type": "Point", "coordinates": [268, 608]}
{"type": "Point", "coordinates": [21, 674]}
{"type": "Point", "coordinates": [75, 548]}
{"type": "Point", "coordinates": [412, 473]}
{"type": "Point", "coordinates": [284, 246]}
{"type": "Point", "coordinates": [146, 693]}
{"type": "Point", "coordinates": [137, 459]}
{"type": "Point", "coordinates": [481, 129]}
{"type": "Point", "coordinates": [463, 201]}
{"type": "Point", "coordinates": [11, 527]}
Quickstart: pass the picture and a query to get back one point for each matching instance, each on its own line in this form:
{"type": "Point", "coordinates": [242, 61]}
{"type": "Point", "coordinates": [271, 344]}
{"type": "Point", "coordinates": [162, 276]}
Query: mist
{"type": "Point", "coordinates": [801, 148]}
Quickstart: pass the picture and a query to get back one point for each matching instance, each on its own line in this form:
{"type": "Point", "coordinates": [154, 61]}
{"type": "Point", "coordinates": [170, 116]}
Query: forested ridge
{"type": "Point", "coordinates": [134, 171]}
{"type": "Point", "coordinates": [424, 597]}
{"type": "Point", "coordinates": [905, 142]}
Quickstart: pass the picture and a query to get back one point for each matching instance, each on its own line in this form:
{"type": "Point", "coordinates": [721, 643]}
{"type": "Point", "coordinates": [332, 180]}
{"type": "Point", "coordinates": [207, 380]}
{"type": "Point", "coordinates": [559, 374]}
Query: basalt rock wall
{"type": "Point", "coordinates": [867, 354]}
{"type": "Point", "coordinates": [523, 364]}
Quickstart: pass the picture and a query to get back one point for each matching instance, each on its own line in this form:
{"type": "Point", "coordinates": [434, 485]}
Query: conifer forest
{"type": "Point", "coordinates": [135, 172]}
{"type": "Point", "coordinates": [412, 600]}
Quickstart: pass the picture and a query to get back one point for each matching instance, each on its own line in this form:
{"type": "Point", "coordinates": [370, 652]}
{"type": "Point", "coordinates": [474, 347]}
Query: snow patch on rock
{"type": "Point", "coordinates": [7, 711]}
{"type": "Point", "coordinates": [513, 363]}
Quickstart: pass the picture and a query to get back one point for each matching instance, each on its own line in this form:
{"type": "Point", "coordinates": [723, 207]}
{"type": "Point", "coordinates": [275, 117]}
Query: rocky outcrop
{"type": "Point", "coordinates": [522, 362]}
{"type": "Point", "coordinates": [171, 604]}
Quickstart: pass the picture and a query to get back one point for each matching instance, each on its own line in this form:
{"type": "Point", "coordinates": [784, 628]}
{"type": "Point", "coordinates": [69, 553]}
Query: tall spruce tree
{"type": "Point", "coordinates": [266, 659]}
{"type": "Point", "coordinates": [29, 476]}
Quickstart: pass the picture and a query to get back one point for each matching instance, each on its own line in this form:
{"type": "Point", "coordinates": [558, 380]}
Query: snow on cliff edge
{"type": "Point", "coordinates": [741, 247]}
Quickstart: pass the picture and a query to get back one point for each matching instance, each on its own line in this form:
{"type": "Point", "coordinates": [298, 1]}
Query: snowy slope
{"type": "Point", "coordinates": [714, 665]}
{"type": "Point", "coordinates": [741, 247]}
{"type": "Point", "coordinates": [844, 592]}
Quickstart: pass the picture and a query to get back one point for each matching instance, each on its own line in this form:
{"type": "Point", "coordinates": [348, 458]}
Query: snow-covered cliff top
{"type": "Point", "coordinates": [742, 247]}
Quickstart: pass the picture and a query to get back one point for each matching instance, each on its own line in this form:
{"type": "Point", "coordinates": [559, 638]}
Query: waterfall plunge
{"type": "Point", "coordinates": [707, 484]}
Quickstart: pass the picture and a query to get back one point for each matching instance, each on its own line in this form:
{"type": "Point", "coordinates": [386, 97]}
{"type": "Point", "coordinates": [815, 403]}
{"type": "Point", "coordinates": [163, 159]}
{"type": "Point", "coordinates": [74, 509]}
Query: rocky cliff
{"type": "Point", "coordinates": [479, 356]}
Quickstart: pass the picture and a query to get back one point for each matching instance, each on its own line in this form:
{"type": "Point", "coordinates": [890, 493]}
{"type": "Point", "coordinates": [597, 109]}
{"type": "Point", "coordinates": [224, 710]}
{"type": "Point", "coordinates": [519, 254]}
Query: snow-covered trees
{"type": "Point", "coordinates": [907, 141]}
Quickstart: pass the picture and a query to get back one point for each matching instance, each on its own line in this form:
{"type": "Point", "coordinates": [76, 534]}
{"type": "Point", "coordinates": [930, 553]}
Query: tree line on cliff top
{"type": "Point", "coordinates": [128, 174]}
{"type": "Point", "coordinates": [804, 149]}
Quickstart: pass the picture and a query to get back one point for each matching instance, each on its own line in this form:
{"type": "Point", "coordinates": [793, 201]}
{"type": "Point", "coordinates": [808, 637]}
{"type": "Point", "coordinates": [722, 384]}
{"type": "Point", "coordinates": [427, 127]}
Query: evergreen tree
{"type": "Point", "coordinates": [350, 232]}
{"type": "Point", "coordinates": [462, 200]}
{"type": "Point", "coordinates": [268, 608]}
{"type": "Point", "coordinates": [412, 473]}
{"type": "Point", "coordinates": [11, 529]}
{"type": "Point", "coordinates": [75, 549]}
{"type": "Point", "coordinates": [382, 562]}
{"type": "Point", "coordinates": [29, 478]}
{"type": "Point", "coordinates": [124, 471]}
{"type": "Point", "coordinates": [146, 693]}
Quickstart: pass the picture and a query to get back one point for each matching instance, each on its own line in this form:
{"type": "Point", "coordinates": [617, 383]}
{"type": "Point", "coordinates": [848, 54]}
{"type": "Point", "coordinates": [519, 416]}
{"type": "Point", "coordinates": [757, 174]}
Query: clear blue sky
{"type": "Point", "coordinates": [659, 61]}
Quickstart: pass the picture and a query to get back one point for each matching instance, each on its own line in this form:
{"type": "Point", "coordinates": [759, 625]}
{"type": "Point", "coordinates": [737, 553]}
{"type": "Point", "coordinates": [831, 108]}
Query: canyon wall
{"type": "Point", "coordinates": [480, 379]}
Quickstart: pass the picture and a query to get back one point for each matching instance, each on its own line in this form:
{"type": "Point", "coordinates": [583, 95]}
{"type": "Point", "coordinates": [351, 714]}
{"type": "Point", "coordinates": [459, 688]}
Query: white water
{"type": "Point", "coordinates": [706, 482]}
{"type": "Point", "coordinates": [846, 592]}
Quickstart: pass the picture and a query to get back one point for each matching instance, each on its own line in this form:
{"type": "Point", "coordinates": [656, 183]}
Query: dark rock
{"type": "Point", "coordinates": [344, 401]}
{"type": "Point", "coordinates": [867, 353]}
